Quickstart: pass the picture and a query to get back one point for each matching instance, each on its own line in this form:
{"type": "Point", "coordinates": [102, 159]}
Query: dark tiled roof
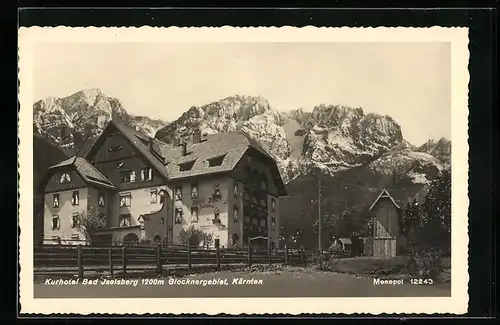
{"type": "Point", "coordinates": [87, 171]}
{"type": "Point", "coordinates": [232, 146]}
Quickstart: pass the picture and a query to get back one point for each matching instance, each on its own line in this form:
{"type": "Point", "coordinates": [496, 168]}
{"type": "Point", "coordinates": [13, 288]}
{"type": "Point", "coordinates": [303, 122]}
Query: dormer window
{"type": "Point", "coordinates": [184, 167]}
{"type": "Point", "coordinates": [217, 161]}
{"type": "Point", "coordinates": [65, 178]}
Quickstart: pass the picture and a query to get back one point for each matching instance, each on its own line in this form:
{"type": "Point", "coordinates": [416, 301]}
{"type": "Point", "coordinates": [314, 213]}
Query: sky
{"type": "Point", "coordinates": [408, 81]}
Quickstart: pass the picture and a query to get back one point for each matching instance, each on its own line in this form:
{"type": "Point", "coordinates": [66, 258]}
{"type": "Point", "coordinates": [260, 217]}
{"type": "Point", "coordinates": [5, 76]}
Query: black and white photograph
{"type": "Point", "coordinates": [189, 164]}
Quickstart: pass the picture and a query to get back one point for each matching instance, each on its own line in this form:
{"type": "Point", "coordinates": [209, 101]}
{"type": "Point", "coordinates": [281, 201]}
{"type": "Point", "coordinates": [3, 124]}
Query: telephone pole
{"type": "Point", "coordinates": [319, 215]}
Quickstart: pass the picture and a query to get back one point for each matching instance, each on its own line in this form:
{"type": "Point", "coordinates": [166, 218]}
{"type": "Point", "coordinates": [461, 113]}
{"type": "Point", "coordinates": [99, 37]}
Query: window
{"type": "Point", "coordinates": [162, 220]}
{"type": "Point", "coordinates": [153, 197]}
{"type": "Point", "coordinates": [178, 215]}
{"type": "Point", "coordinates": [263, 203]}
{"type": "Point", "coordinates": [273, 223]}
{"type": "Point", "coordinates": [127, 176]}
{"type": "Point", "coordinates": [216, 219]}
{"type": "Point", "coordinates": [246, 219]}
{"type": "Point", "coordinates": [217, 161]}
{"type": "Point", "coordinates": [101, 199]}
{"type": "Point", "coordinates": [65, 178]}
{"type": "Point", "coordinates": [194, 191]}
{"type": "Point", "coordinates": [75, 198]}
{"type": "Point", "coordinates": [75, 219]}
{"type": "Point", "coordinates": [246, 196]}
{"type": "Point", "coordinates": [184, 167]}
{"type": "Point", "coordinates": [194, 214]}
{"type": "Point", "coordinates": [124, 220]}
{"type": "Point", "coordinates": [55, 200]}
{"type": "Point", "coordinates": [56, 224]}
{"type": "Point", "coordinates": [146, 174]}
{"type": "Point", "coordinates": [235, 189]}
{"type": "Point", "coordinates": [273, 204]}
{"type": "Point", "coordinates": [178, 193]}
{"type": "Point", "coordinates": [120, 164]}
{"type": "Point", "coordinates": [162, 194]}
{"type": "Point", "coordinates": [125, 200]}
{"type": "Point", "coordinates": [263, 182]}
{"type": "Point", "coordinates": [216, 196]}
{"type": "Point", "coordinates": [235, 214]}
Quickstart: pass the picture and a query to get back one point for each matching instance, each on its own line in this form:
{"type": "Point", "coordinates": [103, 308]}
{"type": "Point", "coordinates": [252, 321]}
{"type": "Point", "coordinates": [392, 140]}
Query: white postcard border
{"type": "Point", "coordinates": [456, 304]}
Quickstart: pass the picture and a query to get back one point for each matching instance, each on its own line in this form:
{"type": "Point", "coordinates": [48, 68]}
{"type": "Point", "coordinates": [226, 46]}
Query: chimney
{"type": "Point", "coordinates": [196, 136]}
{"type": "Point", "coordinates": [184, 148]}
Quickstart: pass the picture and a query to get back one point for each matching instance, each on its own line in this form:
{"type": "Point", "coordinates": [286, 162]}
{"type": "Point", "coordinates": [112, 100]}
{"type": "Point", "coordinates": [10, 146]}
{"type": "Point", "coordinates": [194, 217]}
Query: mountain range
{"type": "Point", "coordinates": [356, 154]}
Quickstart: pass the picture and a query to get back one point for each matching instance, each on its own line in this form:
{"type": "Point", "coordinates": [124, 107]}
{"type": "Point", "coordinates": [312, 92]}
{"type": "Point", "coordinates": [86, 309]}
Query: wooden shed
{"type": "Point", "coordinates": [386, 215]}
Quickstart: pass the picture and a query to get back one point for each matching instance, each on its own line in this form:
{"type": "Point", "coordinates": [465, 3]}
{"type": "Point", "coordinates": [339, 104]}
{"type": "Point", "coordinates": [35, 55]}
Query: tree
{"type": "Point", "coordinates": [88, 223]}
{"type": "Point", "coordinates": [436, 213]}
{"type": "Point", "coordinates": [194, 237]}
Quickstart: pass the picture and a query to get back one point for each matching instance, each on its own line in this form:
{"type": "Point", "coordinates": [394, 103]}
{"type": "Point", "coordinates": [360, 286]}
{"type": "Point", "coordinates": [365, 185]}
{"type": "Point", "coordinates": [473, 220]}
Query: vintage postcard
{"type": "Point", "coordinates": [243, 170]}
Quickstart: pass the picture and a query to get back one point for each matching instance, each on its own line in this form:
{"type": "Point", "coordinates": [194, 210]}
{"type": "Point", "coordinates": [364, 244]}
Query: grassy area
{"type": "Point", "coordinates": [379, 267]}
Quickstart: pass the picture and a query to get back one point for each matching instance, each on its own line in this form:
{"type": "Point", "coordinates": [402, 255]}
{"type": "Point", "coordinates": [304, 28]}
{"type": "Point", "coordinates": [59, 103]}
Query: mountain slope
{"type": "Point", "coordinates": [356, 154]}
{"type": "Point", "coordinates": [74, 121]}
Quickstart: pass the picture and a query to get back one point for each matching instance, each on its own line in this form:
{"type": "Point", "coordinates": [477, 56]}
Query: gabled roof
{"type": "Point", "coordinates": [230, 147]}
{"type": "Point", "coordinates": [136, 139]}
{"type": "Point", "coordinates": [87, 171]}
{"type": "Point", "coordinates": [384, 194]}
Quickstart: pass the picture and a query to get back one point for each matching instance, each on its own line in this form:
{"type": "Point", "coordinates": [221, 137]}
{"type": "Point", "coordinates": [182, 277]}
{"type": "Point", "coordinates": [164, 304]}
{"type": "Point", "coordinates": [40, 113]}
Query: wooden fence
{"type": "Point", "coordinates": [80, 259]}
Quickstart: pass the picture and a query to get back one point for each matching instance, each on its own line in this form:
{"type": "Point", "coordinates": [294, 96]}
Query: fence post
{"type": "Point", "coordinates": [304, 252]}
{"type": "Point", "coordinates": [301, 253]}
{"type": "Point", "coordinates": [110, 260]}
{"type": "Point", "coordinates": [124, 260]}
{"type": "Point", "coordinates": [286, 255]}
{"type": "Point", "coordinates": [80, 261]}
{"type": "Point", "coordinates": [269, 254]}
{"type": "Point", "coordinates": [189, 257]}
{"type": "Point", "coordinates": [158, 259]}
{"type": "Point", "coordinates": [217, 252]}
{"type": "Point", "coordinates": [249, 255]}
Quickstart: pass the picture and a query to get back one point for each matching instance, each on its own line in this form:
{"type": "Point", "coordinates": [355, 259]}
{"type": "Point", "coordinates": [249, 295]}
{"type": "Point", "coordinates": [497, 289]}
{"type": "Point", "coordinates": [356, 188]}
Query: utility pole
{"type": "Point", "coordinates": [319, 215]}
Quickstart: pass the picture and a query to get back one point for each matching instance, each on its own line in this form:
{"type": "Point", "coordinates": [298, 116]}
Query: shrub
{"type": "Point", "coordinates": [425, 263]}
{"type": "Point", "coordinates": [194, 237]}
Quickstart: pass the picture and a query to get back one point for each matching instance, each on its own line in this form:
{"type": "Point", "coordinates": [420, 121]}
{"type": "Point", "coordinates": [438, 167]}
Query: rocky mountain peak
{"type": "Point", "coordinates": [73, 122]}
